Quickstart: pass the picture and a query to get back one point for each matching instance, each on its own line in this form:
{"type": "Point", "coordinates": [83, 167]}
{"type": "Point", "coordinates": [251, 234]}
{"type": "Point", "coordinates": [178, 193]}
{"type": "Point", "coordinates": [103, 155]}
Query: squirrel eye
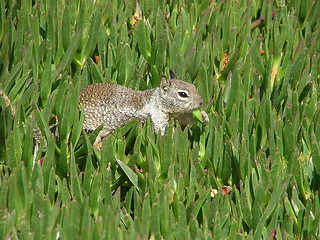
{"type": "Point", "coordinates": [183, 94]}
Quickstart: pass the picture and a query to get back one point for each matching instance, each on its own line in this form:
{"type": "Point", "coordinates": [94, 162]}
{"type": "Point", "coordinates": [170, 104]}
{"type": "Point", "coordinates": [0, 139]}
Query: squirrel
{"type": "Point", "coordinates": [114, 105]}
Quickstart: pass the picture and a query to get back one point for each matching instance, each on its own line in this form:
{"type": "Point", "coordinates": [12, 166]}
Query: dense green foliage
{"type": "Point", "coordinates": [252, 172]}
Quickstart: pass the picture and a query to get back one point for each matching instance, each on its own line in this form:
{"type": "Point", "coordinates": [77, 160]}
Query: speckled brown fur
{"type": "Point", "coordinates": [114, 105]}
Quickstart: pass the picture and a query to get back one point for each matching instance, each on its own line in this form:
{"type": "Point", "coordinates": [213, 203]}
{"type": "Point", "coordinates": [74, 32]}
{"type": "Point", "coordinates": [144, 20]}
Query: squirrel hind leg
{"type": "Point", "coordinates": [98, 140]}
{"type": "Point", "coordinates": [102, 134]}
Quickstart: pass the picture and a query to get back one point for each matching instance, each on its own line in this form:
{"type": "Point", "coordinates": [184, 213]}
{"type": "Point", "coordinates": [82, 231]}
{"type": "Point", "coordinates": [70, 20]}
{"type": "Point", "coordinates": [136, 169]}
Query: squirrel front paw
{"type": "Point", "coordinates": [205, 117]}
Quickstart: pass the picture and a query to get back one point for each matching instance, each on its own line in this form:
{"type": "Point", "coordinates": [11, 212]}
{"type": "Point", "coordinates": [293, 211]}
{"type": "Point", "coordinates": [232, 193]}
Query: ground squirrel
{"type": "Point", "coordinates": [114, 105]}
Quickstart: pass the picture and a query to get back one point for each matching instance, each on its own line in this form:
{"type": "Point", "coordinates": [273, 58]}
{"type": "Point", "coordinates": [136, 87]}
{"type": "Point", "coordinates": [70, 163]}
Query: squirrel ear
{"type": "Point", "coordinates": [172, 74]}
{"type": "Point", "coordinates": [165, 83]}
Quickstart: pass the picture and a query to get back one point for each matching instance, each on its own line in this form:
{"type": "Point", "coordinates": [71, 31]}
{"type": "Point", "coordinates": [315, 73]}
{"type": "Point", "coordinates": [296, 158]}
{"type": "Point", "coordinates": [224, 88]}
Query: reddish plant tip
{"type": "Point", "coordinates": [97, 59]}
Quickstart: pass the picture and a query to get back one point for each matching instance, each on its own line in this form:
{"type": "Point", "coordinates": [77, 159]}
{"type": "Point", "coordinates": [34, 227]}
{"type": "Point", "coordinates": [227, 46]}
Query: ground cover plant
{"type": "Point", "coordinates": [253, 172]}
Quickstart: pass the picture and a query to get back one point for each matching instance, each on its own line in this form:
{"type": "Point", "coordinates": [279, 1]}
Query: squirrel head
{"type": "Point", "coordinates": [178, 96]}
